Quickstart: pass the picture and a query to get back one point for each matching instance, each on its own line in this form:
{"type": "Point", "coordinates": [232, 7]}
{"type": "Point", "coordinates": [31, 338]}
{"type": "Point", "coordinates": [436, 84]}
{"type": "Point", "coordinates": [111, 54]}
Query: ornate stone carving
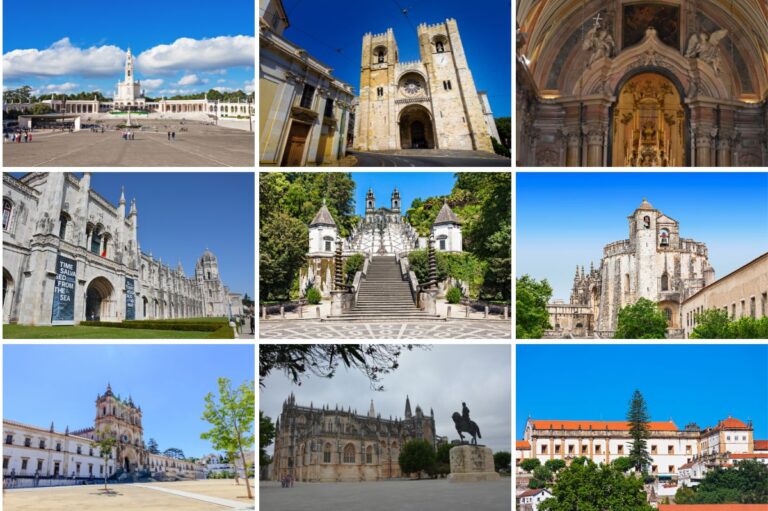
{"type": "Point", "coordinates": [598, 42]}
{"type": "Point", "coordinates": [704, 47]}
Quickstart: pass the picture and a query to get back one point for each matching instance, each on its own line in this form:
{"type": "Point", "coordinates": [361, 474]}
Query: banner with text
{"type": "Point", "coordinates": [63, 312]}
{"type": "Point", "coordinates": [130, 299]}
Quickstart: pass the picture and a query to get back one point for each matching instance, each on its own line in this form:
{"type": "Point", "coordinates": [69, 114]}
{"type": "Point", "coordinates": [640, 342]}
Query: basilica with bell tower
{"type": "Point", "coordinates": [431, 103]}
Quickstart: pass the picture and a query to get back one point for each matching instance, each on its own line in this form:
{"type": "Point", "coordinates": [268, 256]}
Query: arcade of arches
{"type": "Point", "coordinates": [641, 84]}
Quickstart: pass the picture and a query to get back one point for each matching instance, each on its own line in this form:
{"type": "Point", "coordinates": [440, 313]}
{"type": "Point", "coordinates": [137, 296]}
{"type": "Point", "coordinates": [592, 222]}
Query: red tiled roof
{"type": "Point", "coordinates": [523, 444]}
{"type": "Point", "coordinates": [747, 456]}
{"type": "Point", "coordinates": [713, 507]}
{"type": "Point", "coordinates": [600, 425]}
{"type": "Point", "coordinates": [761, 445]}
{"type": "Point", "coordinates": [530, 493]}
{"type": "Point", "coordinates": [731, 423]}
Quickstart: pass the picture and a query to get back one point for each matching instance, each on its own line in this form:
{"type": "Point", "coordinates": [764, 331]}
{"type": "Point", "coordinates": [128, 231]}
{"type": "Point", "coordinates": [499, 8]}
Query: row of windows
{"type": "Point", "coordinates": [447, 85]}
{"type": "Point", "coordinates": [56, 467]}
{"type": "Point", "coordinates": [691, 318]}
{"type": "Point", "coordinates": [597, 449]}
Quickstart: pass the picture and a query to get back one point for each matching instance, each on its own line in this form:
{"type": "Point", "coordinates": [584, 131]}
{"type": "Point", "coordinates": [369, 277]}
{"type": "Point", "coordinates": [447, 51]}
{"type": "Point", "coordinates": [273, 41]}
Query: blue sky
{"type": "Point", "coordinates": [485, 30]}
{"type": "Point", "coordinates": [44, 383]}
{"type": "Point", "coordinates": [694, 383]}
{"type": "Point", "coordinates": [182, 214]}
{"type": "Point", "coordinates": [565, 219]}
{"type": "Point", "coordinates": [410, 184]}
{"type": "Point", "coordinates": [182, 46]}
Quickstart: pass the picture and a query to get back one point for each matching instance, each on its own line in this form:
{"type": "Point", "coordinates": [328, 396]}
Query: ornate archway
{"type": "Point", "coordinates": [416, 129]}
{"type": "Point", "coordinates": [98, 300]}
{"type": "Point", "coordinates": [7, 295]}
{"type": "Point", "coordinates": [648, 123]}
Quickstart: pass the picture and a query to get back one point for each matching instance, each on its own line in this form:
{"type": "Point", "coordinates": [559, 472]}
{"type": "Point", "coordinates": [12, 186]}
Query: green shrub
{"type": "Point", "coordinates": [313, 296]}
{"type": "Point", "coordinates": [419, 262]}
{"type": "Point", "coordinates": [498, 148]}
{"type": "Point", "coordinates": [192, 326]}
{"type": "Point", "coordinates": [453, 295]}
{"type": "Point", "coordinates": [352, 265]}
{"type": "Point", "coordinates": [225, 332]}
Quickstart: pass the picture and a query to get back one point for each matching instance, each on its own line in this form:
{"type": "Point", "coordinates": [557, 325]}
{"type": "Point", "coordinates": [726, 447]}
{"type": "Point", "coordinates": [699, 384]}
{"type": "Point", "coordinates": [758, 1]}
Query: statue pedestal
{"type": "Point", "coordinates": [340, 302]}
{"type": "Point", "coordinates": [472, 463]}
{"type": "Point", "coordinates": [429, 300]}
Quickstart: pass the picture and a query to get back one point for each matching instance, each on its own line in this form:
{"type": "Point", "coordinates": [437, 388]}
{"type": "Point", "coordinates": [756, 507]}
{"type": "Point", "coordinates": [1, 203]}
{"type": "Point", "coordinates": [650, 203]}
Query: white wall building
{"type": "Point", "coordinates": [447, 231]}
{"type": "Point", "coordinates": [530, 499]}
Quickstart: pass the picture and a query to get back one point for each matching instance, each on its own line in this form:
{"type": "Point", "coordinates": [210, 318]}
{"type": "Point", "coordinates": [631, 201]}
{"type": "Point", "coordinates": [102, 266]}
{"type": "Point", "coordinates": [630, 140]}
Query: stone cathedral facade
{"type": "Point", "coordinates": [655, 263]}
{"type": "Point", "coordinates": [69, 255]}
{"type": "Point", "coordinates": [334, 445]}
{"type": "Point", "coordinates": [431, 103]}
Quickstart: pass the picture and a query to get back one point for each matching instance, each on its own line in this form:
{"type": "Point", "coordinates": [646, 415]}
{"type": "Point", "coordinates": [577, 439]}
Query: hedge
{"type": "Point", "coordinates": [159, 325]}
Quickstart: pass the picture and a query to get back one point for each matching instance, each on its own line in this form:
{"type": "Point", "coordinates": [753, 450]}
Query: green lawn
{"type": "Point", "coordinates": [95, 332]}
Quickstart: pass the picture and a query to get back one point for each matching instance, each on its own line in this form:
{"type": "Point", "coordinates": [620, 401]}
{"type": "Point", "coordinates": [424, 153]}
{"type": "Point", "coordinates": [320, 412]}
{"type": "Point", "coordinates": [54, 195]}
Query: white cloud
{"type": "Point", "coordinates": [248, 86]}
{"type": "Point", "coordinates": [189, 80]}
{"type": "Point", "coordinates": [174, 92]}
{"type": "Point", "coordinates": [221, 80]}
{"type": "Point", "coordinates": [224, 89]}
{"type": "Point", "coordinates": [61, 87]}
{"type": "Point", "coordinates": [152, 83]}
{"type": "Point", "coordinates": [62, 58]}
{"type": "Point", "coordinates": [199, 55]}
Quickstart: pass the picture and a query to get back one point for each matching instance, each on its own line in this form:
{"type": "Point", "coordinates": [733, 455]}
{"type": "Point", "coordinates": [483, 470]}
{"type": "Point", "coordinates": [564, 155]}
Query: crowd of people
{"type": "Point", "coordinates": [128, 135]}
{"type": "Point", "coordinates": [18, 136]}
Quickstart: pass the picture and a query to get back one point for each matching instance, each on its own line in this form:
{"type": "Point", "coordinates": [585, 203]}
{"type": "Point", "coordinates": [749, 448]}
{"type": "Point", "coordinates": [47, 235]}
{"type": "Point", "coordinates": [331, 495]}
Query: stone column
{"type": "Point", "coordinates": [595, 148]}
{"type": "Point", "coordinates": [724, 152]}
{"type": "Point", "coordinates": [703, 148]}
{"type": "Point", "coordinates": [572, 151]}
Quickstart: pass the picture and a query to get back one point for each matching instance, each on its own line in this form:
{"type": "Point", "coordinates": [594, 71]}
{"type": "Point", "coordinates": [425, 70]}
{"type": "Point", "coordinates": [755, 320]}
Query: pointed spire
{"type": "Point", "coordinates": [122, 195]}
{"type": "Point", "coordinates": [133, 206]}
{"type": "Point", "coordinates": [408, 414]}
{"type": "Point", "coordinates": [51, 430]}
{"type": "Point", "coordinates": [371, 412]}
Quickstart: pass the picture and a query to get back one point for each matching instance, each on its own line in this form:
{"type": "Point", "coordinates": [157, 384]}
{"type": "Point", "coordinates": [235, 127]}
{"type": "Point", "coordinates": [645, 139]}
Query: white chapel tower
{"type": "Point", "coordinates": [128, 92]}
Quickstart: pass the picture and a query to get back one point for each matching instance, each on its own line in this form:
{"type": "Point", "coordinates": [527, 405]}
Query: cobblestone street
{"type": "Point", "coordinates": [454, 329]}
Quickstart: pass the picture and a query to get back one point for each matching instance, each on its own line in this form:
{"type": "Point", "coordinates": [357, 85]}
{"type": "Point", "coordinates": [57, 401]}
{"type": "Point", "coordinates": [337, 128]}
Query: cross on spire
{"type": "Point", "coordinates": [596, 19]}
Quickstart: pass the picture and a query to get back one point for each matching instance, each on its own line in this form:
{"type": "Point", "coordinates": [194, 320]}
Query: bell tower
{"type": "Point", "coordinates": [370, 202]}
{"type": "Point", "coordinates": [376, 121]}
{"type": "Point", "coordinates": [396, 200]}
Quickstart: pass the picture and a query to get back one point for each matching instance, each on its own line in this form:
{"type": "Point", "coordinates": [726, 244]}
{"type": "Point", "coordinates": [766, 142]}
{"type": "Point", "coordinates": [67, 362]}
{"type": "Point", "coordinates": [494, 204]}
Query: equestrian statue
{"type": "Point", "coordinates": [465, 425]}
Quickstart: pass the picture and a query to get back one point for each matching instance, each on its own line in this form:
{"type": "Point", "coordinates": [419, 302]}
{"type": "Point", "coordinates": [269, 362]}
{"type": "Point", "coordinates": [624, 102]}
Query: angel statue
{"type": "Point", "coordinates": [598, 41]}
{"type": "Point", "coordinates": [704, 46]}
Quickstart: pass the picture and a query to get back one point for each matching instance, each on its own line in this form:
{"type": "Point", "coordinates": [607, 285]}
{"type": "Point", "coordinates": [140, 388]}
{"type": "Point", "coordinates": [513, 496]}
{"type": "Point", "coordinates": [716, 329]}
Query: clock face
{"type": "Point", "coordinates": [441, 60]}
{"type": "Point", "coordinates": [412, 86]}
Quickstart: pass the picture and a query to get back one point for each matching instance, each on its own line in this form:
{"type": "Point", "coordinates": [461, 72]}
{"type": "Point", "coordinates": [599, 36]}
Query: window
{"type": "Point", "coordinates": [209, 275]}
{"type": "Point", "coordinates": [58, 446]}
{"type": "Point", "coordinates": [665, 282]}
{"type": "Point", "coordinates": [79, 450]}
{"type": "Point", "coordinates": [654, 449]}
{"type": "Point", "coordinates": [42, 444]}
{"type": "Point", "coordinates": [440, 47]}
{"type": "Point", "coordinates": [27, 442]}
{"type": "Point", "coordinates": [733, 311]}
{"type": "Point", "coordinates": [544, 449]}
{"type": "Point", "coordinates": [63, 219]}
{"type": "Point", "coordinates": [442, 243]}
{"type": "Point", "coordinates": [671, 469]}
{"type": "Point", "coordinates": [752, 310]}
{"type": "Point", "coordinates": [95, 242]}
{"type": "Point", "coordinates": [670, 449]}
{"type": "Point", "coordinates": [39, 465]}
{"type": "Point", "coordinates": [654, 469]}
{"type": "Point", "coordinates": [380, 91]}
{"type": "Point", "coordinates": [369, 454]}
{"type": "Point", "coordinates": [570, 449]}
{"type": "Point", "coordinates": [728, 438]}
{"type": "Point", "coordinates": [24, 463]}
{"type": "Point", "coordinates": [664, 237]}
{"type": "Point", "coordinates": [349, 453]}
{"type": "Point", "coordinates": [557, 449]}
{"type": "Point", "coordinates": [78, 468]}
{"type": "Point", "coordinates": [90, 451]}
{"type": "Point", "coordinates": [7, 211]}
{"type": "Point", "coordinates": [9, 439]}
{"type": "Point", "coordinates": [668, 315]}
{"type": "Point", "coordinates": [327, 453]}
{"type": "Point", "coordinates": [597, 449]}
{"type": "Point", "coordinates": [447, 85]}
{"type": "Point", "coordinates": [620, 449]}
{"type": "Point", "coordinates": [101, 470]}
{"type": "Point", "coordinates": [583, 449]}
{"type": "Point", "coordinates": [90, 469]}
{"type": "Point", "coordinates": [328, 108]}
{"type": "Point", "coordinates": [687, 449]}
{"type": "Point", "coordinates": [306, 96]}
{"type": "Point", "coordinates": [743, 309]}
{"type": "Point", "coordinates": [764, 301]}
{"type": "Point", "coordinates": [5, 461]}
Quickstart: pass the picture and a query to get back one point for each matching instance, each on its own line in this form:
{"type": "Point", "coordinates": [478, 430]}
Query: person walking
{"type": "Point", "coordinates": [173, 136]}
{"type": "Point", "coordinates": [13, 478]}
{"type": "Point", "coordinates": [29, 138]}
{"type": "Point", "coordinates": [169, 136]}
{"type": "Point", "coordinates": [253, 324]}
{"type": "Point", "coordinates": [37, 478]}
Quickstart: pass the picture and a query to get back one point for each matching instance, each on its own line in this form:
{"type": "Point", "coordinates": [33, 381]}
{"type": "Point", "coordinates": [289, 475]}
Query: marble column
{"type": "Point", "coordinates": [572, 151]}
{"type": "Point", "coordinates": [595, 148]}
{"type": "Point", "coordinates": [703, 148]}
{"type": "Point", "coordinates": [724, 152]}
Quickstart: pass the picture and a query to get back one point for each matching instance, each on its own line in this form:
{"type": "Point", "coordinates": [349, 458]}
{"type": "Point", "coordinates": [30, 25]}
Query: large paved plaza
{"type": "Point", "coordinates": [429, 158]}
{"type": "Point", "coordinates": [425, 495]}
{"type": "Point", "coordinates": [206, 495]}
{"type": "Point", "coordinates": [200, 146]}
{"type": "Point", "coordinates": [453, 329]}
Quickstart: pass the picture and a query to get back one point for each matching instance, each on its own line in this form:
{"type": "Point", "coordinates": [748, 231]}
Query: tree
{"type": "Point", "coordinates": [152, 446]}
{"type": "Point", "coordinates": [555, 465]}
{"type": "Point", "coordinates": [542, 476]}
{"type": "Point", "coordinates": [443, 460]}
{"type": "Point", "coordinates": [41, 108]}
{"type": "Point", "coordinates": [105, 444]}
{"type": "Point", "coordinates": [643, 320]}
{"type": "Point", "coordinates": [531, 306]}
{"type": "Point", "coordinates": [622, 464]}
{"type": "Point", "coordinates": [504, 127]}
{"type": "Point", "coordinates": [231, 416]}
{"type": "Point", "coordinates": [416, 456]}
{"type": "Point", "coordinates": [530, 464]}
{"type": "Point", "coordinates": [502, 460]}
{"type": "Point", "coordinates": [173, 452]}
{"type": "Point", "coordinates": [583, 485]}
{"type": "Point", "coordinates": [266, 436]}
{"type": "Point", "coordinates": [744, 483]}
{"type": "Point", "coordinates": [638, 419]}
{"type": "Point", "coordinates": [282, 251]}
{"type": "Point", "coordinates": [299, 360]}
{"type": "Point", "coordinates": [352, 265]}
{"type": "Point", "coordinates": [715, 324]}
{"type": "Point", "coordinates": [247, 300]}
{"type": "Point", "coordinates": [21, 95]}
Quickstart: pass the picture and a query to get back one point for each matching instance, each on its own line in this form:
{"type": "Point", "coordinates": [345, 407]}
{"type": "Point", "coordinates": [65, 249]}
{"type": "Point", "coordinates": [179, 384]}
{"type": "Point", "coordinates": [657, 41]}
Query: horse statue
{"type": "Point", "coordinates": [463, 426]}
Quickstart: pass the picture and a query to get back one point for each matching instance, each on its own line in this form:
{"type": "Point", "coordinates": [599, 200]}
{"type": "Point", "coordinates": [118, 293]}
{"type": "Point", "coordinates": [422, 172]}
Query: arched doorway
{"type": "Point", "coordinates": [98, 299]}
{"type": "Point", "coordinates": [127, 464]}
{"type": "Point", "coordinates": [648, 123]}
{"type": "Point", "coordinates": [144, 302]}
{"type": "Point", "coordinates": [416, 131]}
